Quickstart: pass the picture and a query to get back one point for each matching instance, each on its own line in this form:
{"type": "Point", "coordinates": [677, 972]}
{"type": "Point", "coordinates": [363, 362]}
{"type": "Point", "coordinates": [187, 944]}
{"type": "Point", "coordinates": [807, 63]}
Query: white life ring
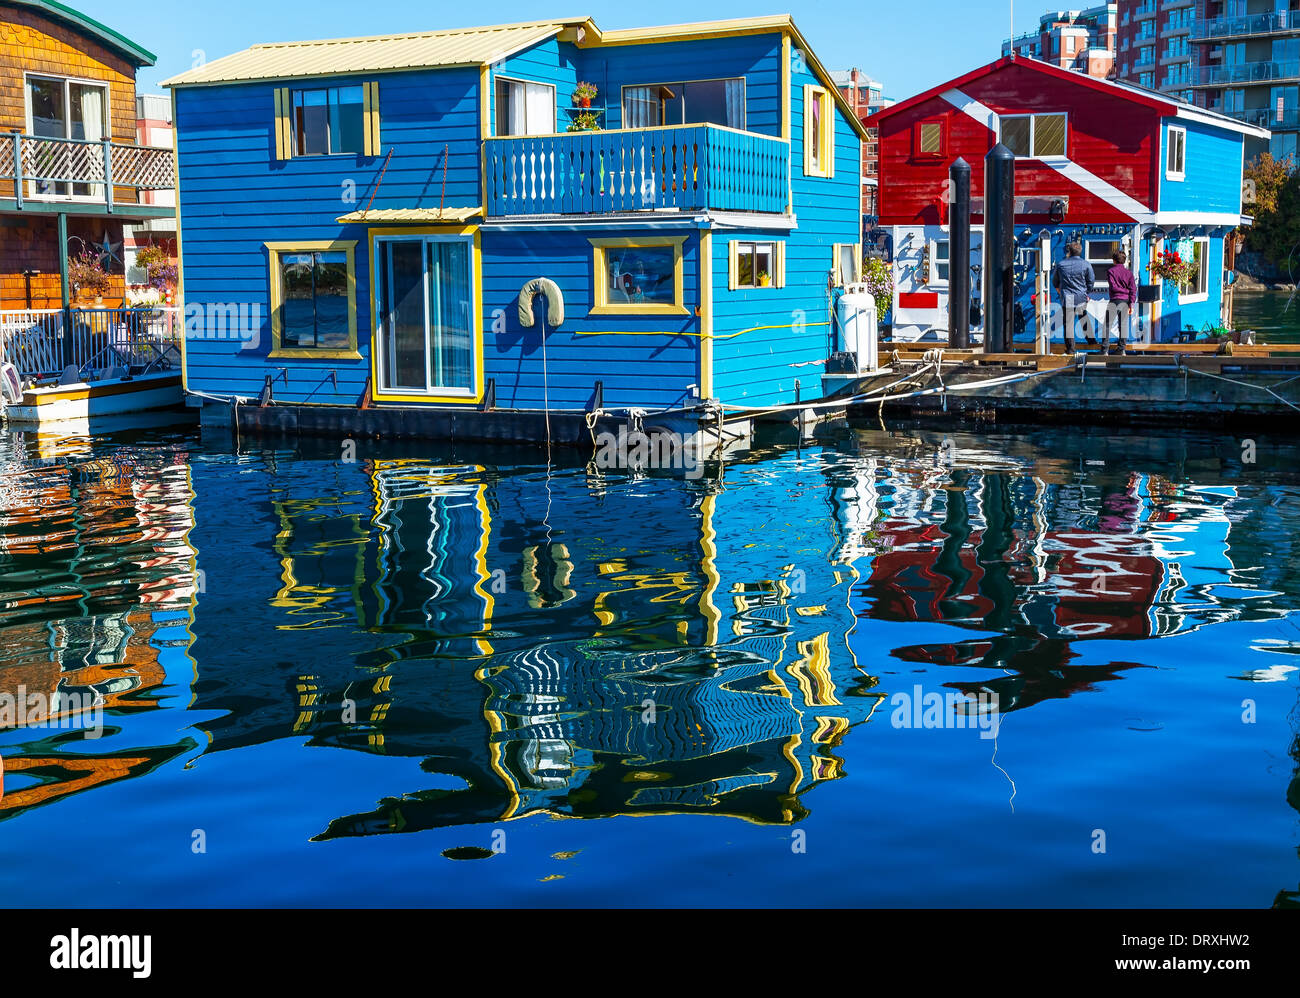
{"type": "Point", "coordinates": [11, 384]}
{"type": "Point", "coordinates": [554, 301]}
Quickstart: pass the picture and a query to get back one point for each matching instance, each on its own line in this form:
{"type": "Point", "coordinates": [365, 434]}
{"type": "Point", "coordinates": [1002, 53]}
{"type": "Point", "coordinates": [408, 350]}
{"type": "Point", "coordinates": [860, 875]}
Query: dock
{"type": "Point", "coordinates": [1171, 384]}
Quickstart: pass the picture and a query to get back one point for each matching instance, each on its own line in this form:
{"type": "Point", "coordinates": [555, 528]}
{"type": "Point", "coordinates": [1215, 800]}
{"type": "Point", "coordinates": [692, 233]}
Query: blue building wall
{"type": "Point", "coordinates": [646, 361]}
{"type": "Point", "coordinates": [1175, 317]}
{"type": "Point", "coordinates": [1213, 164]}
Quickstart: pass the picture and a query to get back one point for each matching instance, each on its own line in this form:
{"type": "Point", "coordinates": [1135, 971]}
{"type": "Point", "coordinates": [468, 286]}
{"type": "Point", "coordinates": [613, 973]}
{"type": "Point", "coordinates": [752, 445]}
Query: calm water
{"type": "Point", "coordinates": [427, 677]}
{"type": "Point", "coordinates": [1274, 315]}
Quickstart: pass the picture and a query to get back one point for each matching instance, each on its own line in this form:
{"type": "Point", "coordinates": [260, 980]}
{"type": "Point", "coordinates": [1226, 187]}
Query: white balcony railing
{"type": "Point", "coordinates": [46, 342]}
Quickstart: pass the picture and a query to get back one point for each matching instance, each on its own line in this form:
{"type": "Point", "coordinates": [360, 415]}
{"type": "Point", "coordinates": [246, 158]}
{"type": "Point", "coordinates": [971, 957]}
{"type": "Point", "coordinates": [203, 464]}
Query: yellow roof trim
{"type": "Point", "coordinates": [380, 216]}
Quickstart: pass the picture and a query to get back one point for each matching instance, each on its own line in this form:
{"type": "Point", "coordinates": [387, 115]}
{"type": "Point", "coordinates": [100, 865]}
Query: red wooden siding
{"type": "Point", "coordinates": [1109, 134]}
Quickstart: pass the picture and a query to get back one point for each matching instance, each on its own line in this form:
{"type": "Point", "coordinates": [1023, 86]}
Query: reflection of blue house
{"type": "Point", "coordinates": [384, 200]}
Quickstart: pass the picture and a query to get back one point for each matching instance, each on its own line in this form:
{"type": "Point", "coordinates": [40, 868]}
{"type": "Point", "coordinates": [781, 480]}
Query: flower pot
{"type": "Point", "coordinates": [584, 102]}
{"type": "Point", "coordinates": [765, 282]}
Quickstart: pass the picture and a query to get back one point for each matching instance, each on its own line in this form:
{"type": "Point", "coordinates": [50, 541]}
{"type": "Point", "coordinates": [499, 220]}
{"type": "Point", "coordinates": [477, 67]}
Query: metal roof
{"type": "Point", "coordinates": [379, 215]}
{"type": "Point", "coordinates": [375, 53]}
{"type": "Point", "coordinates": [90, 28]}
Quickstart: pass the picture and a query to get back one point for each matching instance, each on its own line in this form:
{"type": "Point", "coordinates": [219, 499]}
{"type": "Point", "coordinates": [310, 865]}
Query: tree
{"type": "Point", "coordinates": [1272, 195]}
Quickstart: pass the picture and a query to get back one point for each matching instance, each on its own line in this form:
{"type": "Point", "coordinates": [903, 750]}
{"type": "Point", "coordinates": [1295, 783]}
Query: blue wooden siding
{"type": "Point", "coordinates": [1213, 169]}
{"type": "Point", "coordinates": [646, 361]}
{"type": "Point", "coordinates": [1175, 317]}
{"type": "Point", "coordinates": [235, 197]}
{"type": "Point", "coordinates": [550, 61]}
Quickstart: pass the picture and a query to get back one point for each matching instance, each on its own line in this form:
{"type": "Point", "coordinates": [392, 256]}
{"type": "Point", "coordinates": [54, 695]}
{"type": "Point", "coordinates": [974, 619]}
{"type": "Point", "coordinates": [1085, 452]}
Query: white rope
{"type": "Point", "coordinates": [1247, 384]}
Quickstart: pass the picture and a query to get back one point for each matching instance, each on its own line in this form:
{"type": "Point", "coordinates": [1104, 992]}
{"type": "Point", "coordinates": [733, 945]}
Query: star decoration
{"type": "Point", "coordinates": [107, 250]}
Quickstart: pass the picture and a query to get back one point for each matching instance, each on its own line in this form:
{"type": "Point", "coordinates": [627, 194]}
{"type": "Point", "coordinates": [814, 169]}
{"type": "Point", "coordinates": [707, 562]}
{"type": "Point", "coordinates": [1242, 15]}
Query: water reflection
{"type": "Point", "coordinates": [582, 645]}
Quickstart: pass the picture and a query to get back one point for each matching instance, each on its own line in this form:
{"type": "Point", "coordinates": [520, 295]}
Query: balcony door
{"type": "Point", "coordinates": [424, 298]}
{"type": "Point", "coordinates": [60, 108]}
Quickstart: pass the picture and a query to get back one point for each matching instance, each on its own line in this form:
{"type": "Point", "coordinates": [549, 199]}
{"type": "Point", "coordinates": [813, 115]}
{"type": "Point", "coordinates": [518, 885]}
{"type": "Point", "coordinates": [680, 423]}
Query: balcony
{"type": "Point", "coordinates": [1144, 11]}
{"type": "Point", "coordinates": [1144, 62]}
{"type": "Point", "coordinates": [1245, 72]}
{"type": "Point", "coordinates": [674, 168]}
{"type": "Point", "coordinates": [1266, 117]}
{"type": "Point", "coordinates": [1248, 25]}
{"type": "Point", "coordinates": [49, 175]}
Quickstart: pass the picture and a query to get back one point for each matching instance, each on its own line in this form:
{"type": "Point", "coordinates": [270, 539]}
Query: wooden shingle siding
{"type": "Point", "coordinates": [636, 356]}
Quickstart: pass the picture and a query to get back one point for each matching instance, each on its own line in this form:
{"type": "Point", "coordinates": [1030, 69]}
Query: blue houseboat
{"type": "Point", "coordinates": [408, 234]}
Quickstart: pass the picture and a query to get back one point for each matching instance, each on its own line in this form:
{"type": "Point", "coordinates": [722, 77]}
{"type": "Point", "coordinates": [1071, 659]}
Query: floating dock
{"type": "Point", "coordinates": [1191, 384]}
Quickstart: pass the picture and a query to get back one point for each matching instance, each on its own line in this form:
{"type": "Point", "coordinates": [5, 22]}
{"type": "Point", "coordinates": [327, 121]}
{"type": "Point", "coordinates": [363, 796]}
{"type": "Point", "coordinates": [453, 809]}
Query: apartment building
{"type": "Point", "coordinates": [1081, 40]}
{"type": "Point", "coordinates": [1155, 47]}
{"type": "Point", "coordinates": [865, 96]}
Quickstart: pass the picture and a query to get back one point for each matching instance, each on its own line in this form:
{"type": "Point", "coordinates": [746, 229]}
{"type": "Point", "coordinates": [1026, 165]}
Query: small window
{"type": "Point", "coordinates": [1034, 136]}
{"type": "Point", "coordinates": [818, 133]}
{"type": "Point", "coordinates": [1198, 288]}
{"type": "Point", "coordinates": [1176, 154]}
{"type": "Point", "coordinates": [328, 121]}
{"type": "Point", "coordinates": [929, 138]}
{"type": "Point", "coordinates": [938, 262]}
{"type": "Point", "coordinates": [525, 108]}
{"type": "Point", "coordinates": [848, 268]}
{"type": "Point", "coordinates": [755, 265]}
{"type": "Point", "coordinates": [313, 299]}
{"type": "Point", "coordinates": [1098, 253]}
{"type": "Point", "coordinates": [638, 276]}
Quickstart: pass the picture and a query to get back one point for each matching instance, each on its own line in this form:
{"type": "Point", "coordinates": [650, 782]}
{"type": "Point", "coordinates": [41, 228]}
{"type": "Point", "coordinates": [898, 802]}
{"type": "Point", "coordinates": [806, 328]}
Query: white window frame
{"type": "Point", "coordinates": [776, 278]}
{"type": "Point", "coordinates": [1169, 148]}
{"type": "Point", "coordinates": [1101, 284]}
{"type": "Point", "coordinates": [1191, 299]}
{"type": "Point", "coordinates": [1033, 153]}
{"type": "Point", "coordinates": [932, 278]}
{"type": "Point", "coordinates": [496, 109]}
{"type": "Point", "coordinates": [744, 98]}
{"type": "Point", "coordinates": [67, 121]}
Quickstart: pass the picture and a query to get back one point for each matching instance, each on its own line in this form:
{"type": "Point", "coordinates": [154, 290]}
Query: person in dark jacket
{"type": "Point", "coordinates": [1073, 278]}
{"type": "Point", "coordinates": [1123, 296]}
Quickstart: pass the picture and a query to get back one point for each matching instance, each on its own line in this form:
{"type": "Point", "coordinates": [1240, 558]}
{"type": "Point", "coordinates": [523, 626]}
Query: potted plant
{"type": "Point", "coordinates": [879, 280]}
{"type": "Point", "coordinates": [764, 279]}
{"type": "Point", "coordinates": [1169, 266]}
{"type": "Point", "coordinates": [584, 121]}
{"type": "Point", "coordinates": [156, 263]}
{"type": "Point", "coordinates": [584, 94]}
{"type": "Point", "coordinates": [88, 278]}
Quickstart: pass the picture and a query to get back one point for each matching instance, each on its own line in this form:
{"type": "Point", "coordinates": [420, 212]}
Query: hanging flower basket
{"type": "Point", "coordinates": [1169, 266]}
{"type": "Point", "coordinates": [584, 94]}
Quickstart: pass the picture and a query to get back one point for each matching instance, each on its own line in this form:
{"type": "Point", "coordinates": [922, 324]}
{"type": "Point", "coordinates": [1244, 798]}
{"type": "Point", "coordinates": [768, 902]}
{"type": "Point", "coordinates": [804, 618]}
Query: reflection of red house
{"type": "Point", "coordinates": [1092, 585]}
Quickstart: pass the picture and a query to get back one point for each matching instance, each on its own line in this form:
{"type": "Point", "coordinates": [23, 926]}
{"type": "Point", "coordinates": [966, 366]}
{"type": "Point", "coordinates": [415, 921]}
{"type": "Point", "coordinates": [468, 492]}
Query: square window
{"type": "Point", "coordinates": [638, 276]}
{"type": "Point", "coordinates": [1176, 154]}
{"type": "Point", "coordinates": [328, 121]}
{"type": "Point", "coordinates": [1049, 135]}
{"type": "Point", "coordinates": [754, 265]}
{"type": "Point", "coordinates": [313, 299]}
{"type": "Point", "coordinates": [1016, 135]}
{"type": "Point", "coordinates": [931, 138]}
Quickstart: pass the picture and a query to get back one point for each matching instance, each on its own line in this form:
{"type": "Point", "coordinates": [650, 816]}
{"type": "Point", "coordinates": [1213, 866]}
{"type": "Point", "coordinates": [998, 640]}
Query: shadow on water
{"type": "Point", "coordinates": [582, 644]}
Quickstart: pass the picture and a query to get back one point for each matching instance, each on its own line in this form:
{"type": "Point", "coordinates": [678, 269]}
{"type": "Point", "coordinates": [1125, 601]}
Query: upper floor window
{"type": "Point", "coordinates": [928, 139]}
{"type": "Point", "coordinates": [717, 102]}
{"type": "Point", "coordinates": [1176, 154]}
{"type": "Point", "coordinates": [818, 132]}
{"type": "Point", "coordinates": [525, 108]}
{"type": "Point", "coordinates": [313, 299]}
{"type": "Point", "coordinates": [328, 120]}
{"type": "Point", "coordinates": [67, 109]}
{"type": "Point", "coordinates": [1034, 136]}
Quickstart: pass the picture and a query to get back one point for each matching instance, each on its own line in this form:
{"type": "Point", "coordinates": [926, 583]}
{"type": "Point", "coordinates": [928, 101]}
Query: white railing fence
{"type": "Point", "coordinates": [45, 343]}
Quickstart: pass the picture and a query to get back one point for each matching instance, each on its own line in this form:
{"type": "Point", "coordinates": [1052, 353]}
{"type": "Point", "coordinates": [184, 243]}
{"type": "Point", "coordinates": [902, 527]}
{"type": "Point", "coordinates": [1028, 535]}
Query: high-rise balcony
{"type": "Point", "coordinates": [1246, 72]}
{"type": "Point", "coordinates": [1212, 29]}
{"type": "Point", "coordinates": [1267, 117]}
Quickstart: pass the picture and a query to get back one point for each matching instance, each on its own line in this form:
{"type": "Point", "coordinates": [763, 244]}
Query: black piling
{"type": "Point", "coordinates": [959, 256]}
{"type": "Point", "coordinates": [999, 247]}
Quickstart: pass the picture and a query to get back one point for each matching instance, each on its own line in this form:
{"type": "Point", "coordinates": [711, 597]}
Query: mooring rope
{"type": "Point", "coordinates": [1247, 384]}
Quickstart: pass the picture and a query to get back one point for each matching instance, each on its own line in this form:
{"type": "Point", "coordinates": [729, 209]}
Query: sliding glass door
{"type": "Point", "coordinates": [424, 293]}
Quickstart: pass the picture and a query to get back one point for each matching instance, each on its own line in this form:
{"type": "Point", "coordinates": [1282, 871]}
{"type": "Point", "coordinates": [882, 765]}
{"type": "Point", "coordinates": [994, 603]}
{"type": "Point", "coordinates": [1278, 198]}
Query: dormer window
{"type": "Point", "coordinates": [1034, 136]}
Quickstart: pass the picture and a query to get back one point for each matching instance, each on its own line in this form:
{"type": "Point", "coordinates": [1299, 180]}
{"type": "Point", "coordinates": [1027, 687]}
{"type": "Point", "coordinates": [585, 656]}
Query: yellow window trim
{"type": "Point", "coordinates": [274, 252]}
{"type": "Point", "coordinates": [733, 264]}
{"type": "Point", "coordinates": [476, 266]}
{"type": "Point", "coordinates": [840, 278]}
{"type": "Point", "coordinates": [600, 301]}
{"type": "Point", "coordinates": [284, 147]}
{"type": "Point", "coordinates": [825, 141]}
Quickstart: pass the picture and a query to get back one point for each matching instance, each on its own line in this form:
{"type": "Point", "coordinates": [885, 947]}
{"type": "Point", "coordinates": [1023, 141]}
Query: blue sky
{"type": "Point", "coordinates": [908, 45]}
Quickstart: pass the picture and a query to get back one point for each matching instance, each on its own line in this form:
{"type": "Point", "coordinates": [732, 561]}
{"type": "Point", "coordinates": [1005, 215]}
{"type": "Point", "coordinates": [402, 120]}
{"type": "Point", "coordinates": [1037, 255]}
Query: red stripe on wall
{"type": "Point", "coordinates": [918, 299]}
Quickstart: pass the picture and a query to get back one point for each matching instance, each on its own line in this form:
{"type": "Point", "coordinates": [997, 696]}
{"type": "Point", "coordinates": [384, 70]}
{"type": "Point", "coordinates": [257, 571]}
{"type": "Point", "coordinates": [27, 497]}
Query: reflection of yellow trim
{"type": "Point", "coordinates": [484, 585]}
{"type": "Point", "coordinates": [274, 251]}
{"type": "Point", "coordinates": [180, 256]}
{"type": "Point", "coordinates": [709, 566]}
{"type": "Point", "coordinates": [830, 730]}
{"type": "Point", "coordinates": [495, 727]}
{"type": "Point", "coordinates": [476, 253]}
{"type": "Point", "coordinates": [813, 674]}
{"type": "Point", "coordinates": [600, 279]}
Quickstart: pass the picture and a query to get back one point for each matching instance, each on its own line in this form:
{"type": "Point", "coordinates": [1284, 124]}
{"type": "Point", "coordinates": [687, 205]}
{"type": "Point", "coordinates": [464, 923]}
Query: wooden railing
{"type": "Point", "coordinates": [683, 167]}
{"type": "Point", "coordinates": [43, 168]}
{"type": "Point", "coordinates": [45, 343]}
